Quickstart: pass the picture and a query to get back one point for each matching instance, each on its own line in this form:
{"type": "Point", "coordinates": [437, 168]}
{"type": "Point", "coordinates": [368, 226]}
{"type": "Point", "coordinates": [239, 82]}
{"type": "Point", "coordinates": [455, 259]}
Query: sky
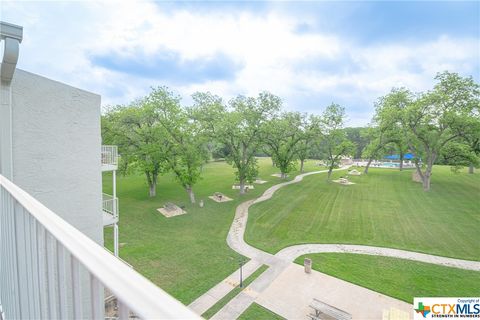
{"type": "Point", "coordinates": [309, 53]}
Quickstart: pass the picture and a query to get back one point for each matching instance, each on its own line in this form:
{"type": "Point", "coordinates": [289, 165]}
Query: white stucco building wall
{"type": "Point", "coordinates": [56, 149]}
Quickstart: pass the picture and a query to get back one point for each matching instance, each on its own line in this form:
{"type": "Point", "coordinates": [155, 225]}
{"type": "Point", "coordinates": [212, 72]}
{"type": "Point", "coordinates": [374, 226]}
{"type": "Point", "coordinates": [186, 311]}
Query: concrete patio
{"type": "Point", "coordinates": [293, 290]}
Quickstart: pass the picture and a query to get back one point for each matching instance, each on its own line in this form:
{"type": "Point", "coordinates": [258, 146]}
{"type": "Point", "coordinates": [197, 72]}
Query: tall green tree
{"type": "Point", "coordinates": [387, 126]}
{"type": "Point", "coordinates": [185, 146]}
{"type": "Point", "coordinates": [306, 144]}
{"type": "Point", "coordinates": [282, 138]}
{"type": "Point", "coordinates": [240, 126]}
{"type": "Point", "coordinates": [135, 129]}
{"type": "Point", "coordinates": [334, 142]}
{"type": "Point", "coordinates": [438, 117]}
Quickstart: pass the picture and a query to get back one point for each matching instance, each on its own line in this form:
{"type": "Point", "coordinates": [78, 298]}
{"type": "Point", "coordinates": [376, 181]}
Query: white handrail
{"type": "Point", "coordinates": [131, 289]}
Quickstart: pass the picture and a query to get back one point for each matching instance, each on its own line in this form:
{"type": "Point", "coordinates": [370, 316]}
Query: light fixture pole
{"type": "Point", "coordinates": [241, 275]}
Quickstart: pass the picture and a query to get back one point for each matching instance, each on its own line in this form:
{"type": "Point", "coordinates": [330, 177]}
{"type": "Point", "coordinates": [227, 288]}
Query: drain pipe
{"type": "Point", "coordinates": [12, 36]}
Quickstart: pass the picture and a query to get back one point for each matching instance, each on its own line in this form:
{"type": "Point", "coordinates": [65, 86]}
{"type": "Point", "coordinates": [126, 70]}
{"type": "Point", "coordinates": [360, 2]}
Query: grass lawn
{"type": "Point", "coordinates": [257, 312]}
{"type": "Point", "coordinates": [184, 255]}
{"type": "Point", "coordinates": [398, 278]}
{"type": "Point", "coordinates": [384, 208]}
{"type": "Point", "coordinates": [232, 294]}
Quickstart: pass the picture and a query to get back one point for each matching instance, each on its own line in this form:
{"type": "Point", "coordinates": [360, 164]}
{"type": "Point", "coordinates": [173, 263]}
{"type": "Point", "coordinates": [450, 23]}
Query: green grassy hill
{"type": "Point", "coordinates": [384, 208]}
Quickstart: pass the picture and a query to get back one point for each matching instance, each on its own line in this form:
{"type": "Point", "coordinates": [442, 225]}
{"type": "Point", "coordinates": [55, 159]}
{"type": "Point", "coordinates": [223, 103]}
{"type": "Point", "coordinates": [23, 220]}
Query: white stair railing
{"type": "Point", "coordinates": [50, 270]}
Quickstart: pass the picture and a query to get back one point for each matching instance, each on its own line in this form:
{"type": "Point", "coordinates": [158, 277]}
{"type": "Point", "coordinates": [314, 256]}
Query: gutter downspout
{"type": "Point", "coordinates": [12, 36]}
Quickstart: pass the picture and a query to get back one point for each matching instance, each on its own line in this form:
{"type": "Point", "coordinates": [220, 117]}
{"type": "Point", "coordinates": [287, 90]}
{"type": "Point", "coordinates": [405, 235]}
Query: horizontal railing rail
{"type": "Point", "coordinates": [109, 155]}
{"type": "Point", "coordinates": [49, 269]}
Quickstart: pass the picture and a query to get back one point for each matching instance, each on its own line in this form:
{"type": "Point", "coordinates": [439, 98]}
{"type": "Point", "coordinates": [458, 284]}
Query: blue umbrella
{"type": "Point", "coordinates": [406, 156]}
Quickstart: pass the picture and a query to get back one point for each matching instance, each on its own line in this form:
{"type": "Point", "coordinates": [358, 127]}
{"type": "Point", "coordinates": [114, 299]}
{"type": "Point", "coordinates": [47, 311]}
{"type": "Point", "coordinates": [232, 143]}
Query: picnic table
{"type": "Point", "coordinates": [170, 206]}
{"type": "Point", "coordinates": [322, 311]}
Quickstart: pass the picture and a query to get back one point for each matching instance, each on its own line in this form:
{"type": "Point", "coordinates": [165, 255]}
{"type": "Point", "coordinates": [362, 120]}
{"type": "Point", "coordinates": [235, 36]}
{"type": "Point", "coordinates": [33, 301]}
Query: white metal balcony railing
{"type": "Point", "coordinates": [49, 269]}
{"type": "Point", "coordinates": [110, 205]}
{"type": "Point", "coordinates": [110, 212]}
{"type": "Point", "coordinates": [109, 155]}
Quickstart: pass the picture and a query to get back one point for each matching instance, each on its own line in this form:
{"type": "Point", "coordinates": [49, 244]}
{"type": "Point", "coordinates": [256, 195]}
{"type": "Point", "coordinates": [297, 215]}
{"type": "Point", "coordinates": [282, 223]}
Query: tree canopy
{"type": "Point", "coordinates": [157, 134]}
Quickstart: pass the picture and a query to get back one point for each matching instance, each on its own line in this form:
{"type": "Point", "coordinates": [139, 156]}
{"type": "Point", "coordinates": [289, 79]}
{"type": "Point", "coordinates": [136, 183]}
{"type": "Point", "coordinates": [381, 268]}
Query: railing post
{"type": "Point", "coordinates": [76, 289]}
{"type": "Point", "coordinates": [115, 211]}
{"type": "Point", "coordinates": [115, 239]}
{"type": "Point", "coordinates": [114, 174]}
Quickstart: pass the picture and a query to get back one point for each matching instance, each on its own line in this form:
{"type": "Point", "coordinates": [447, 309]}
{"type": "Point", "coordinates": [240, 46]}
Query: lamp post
{"type": "Point", "coordinates": [241, 261]}
{"type": "Point", "coordinates": [241, 275]}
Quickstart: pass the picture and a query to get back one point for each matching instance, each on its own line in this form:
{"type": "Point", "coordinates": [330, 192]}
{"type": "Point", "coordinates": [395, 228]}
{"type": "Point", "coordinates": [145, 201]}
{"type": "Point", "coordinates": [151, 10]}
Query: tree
{"type": "Point", "coordinates": [282, 137]}
{"type": "Point", "coordinates": [471, 137]}
{"type": "Point", "coordinates": [334, 143]}
{"type": "Point", "coordinates": [458, 155]}
{"type": "Point", "coordinates": [387, 126]}
{"type": "Point", "coordinates": [240, 126]}
{"type": "Point", "coordinates": [305, 144]}
{"type": "Point", "coordinates": [375, 147]}
{"type": "Point", "coordinates": [184, 145]}
{"type": "Point", "coordinates": [401, 147]}
{"type": "Point", "coordinates": [357, 136]}
{"type": "Point", "coordinates": [439, 117]}
{"type": "Point", "coordinates": [135, 130]}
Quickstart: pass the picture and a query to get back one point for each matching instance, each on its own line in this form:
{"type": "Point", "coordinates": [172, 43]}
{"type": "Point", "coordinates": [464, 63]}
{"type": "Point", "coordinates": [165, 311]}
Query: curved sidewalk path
{"type": "Point", "coordinates": [293, 252]}
{"type": "Point", "coordinates": [281, 260]}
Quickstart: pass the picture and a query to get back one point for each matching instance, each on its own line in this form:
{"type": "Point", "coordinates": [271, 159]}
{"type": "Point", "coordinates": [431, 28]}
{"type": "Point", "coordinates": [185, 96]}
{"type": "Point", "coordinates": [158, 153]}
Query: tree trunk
{"type": "Point", "coordinates": [191, 195]}
{"type": "Point", "coordinates": [419, 171]}
{"type": "Point", "coordinates": [273, 162]}
{"type": "Point", "coordinates": [283, 175]}
{"type": "Point", "coordinates": [152, 183]}
{"type": "Point", "coordinates": [401, 161]}
{"type": "Point", "coordinates": [427, 176]}
{"type": "Point", "coordinates": [152, 189]}
{"type": "Point", "coordinates": [330, 169]}
{"type": "Point", "coordinates": [301, 165]}
{"type": "Point", "coordinates": [424, 176]}
{"type": "Point", "coordinates": [426, 182]}
{"type": "Point", "coordinates": [242, 186]}
{"type": "Point", "coordinates": [368, 166]}
{"type": "Point", "coordinates": [471, 169]}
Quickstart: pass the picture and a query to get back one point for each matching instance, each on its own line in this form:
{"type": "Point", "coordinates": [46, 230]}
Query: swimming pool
{"type": "Point", "coordinates": [390, 164]}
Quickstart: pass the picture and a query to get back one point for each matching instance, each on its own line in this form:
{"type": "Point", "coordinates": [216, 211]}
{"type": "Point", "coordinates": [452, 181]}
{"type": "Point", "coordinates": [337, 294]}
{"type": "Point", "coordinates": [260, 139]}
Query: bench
{"type": "Point", "coordinates": [322, 309]}
{"type": "Point", "coordinates": [218, 195]}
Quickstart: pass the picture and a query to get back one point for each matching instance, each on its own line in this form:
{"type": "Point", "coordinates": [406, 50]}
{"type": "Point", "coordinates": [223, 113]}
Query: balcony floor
{"type": "Point", "coordinates": [109, 167]}
{"type": "Point", "coordinates": [108, 219]}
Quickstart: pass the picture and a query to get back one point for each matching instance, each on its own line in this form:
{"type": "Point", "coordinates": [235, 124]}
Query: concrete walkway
{"type": "Point", "coordinates": [209, 298]}
{"type": "Point", "coordinates": [293, 252]}
{"type": "Point", "coordinates": [279, 262]}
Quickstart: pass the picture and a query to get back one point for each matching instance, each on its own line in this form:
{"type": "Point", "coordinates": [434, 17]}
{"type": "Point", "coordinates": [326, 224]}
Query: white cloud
{"type": "Point", "coordinates": [60, 38]}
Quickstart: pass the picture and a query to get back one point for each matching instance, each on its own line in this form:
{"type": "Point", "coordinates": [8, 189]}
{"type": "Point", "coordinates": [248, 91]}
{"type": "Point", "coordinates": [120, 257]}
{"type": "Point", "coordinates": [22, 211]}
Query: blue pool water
{"type": "Point", "coordinates": [391, 164]}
